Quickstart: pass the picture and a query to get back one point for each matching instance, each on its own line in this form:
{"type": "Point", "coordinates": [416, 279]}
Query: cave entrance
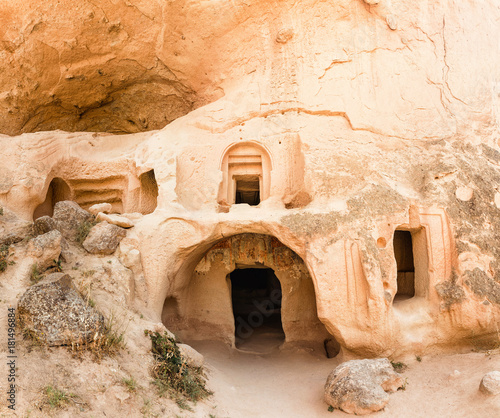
{"type": "Point", "coordinates": [256, 300]}
{"type": "Point", "coordinates": [57, 191]}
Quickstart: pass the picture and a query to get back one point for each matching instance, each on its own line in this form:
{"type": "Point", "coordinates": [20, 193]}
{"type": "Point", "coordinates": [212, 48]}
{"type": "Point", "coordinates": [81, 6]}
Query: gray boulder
{"type": "Point", "coordinates": [45, 249]}
{"type": "Point", "coordinates": [490, 383]}
{"type": "Point", "coordinates": [69, 218]}
{"type": "Point", "coordinates": [104, 238]}
{"type": "Point", "coordinates": [54, 312]}
{"type": "Point", "coordinates": [359, 386]}
{"type": "Point", "coordinates": [43, 225]}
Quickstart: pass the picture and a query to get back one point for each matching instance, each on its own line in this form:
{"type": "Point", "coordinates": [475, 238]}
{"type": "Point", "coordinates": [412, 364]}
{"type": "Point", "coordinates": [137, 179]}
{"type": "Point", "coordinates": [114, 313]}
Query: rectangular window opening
{"type": "Point", "coordinates": [248, 190]}
{"type": "Point", "coordinates": [403, 252]}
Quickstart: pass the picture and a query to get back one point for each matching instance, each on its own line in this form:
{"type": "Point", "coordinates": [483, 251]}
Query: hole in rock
{"type": "Point", "coordinates": [256, 300]}
{"type": "Point", "coordinates": [58, 191]}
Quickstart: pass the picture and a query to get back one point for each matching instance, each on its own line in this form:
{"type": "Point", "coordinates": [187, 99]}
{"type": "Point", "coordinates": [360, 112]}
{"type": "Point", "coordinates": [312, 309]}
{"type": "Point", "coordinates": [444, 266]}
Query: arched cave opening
{"type": "Point", "coordinates": [235, 277]}
{"type": "Point", "coordinates": [256, 300]}
{"type": "Point", "coordinates": [58, 191]}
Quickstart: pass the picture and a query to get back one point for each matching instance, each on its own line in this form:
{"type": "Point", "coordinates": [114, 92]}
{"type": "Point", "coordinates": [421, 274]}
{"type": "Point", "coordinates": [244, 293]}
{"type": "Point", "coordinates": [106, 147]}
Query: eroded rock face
{"type": "Point", "coordinates": [136, 65]}
{"type": "Point", "coordinates": [54, 312]}
{"type": "Point", "coordinates": [360, 386]}
{"type": "Point", "coordinates": [104, 238]}
{"type": "Point", "coordinates": [13, 229]}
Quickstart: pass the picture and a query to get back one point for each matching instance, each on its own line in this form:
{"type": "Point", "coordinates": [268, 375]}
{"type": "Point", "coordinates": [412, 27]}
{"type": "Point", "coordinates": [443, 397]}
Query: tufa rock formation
{"type": "Point", "coordinates": [346, 149]}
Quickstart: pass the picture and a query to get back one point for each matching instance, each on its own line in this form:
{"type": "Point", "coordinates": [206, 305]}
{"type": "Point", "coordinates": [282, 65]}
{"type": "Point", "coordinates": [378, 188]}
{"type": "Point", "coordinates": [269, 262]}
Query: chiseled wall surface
{"type": "Point", "coordinates": [375, 117]}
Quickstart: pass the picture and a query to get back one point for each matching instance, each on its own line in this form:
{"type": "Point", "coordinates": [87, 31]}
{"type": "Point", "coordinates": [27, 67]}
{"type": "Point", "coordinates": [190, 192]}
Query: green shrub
{"type": "Point", "coordinates": [172, 374]}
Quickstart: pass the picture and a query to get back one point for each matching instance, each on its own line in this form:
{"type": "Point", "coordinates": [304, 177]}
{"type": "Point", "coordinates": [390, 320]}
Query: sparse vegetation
{"type": "Point", "coordinates": [83, 230]}
{"type": "Point", "coordinates": [130, 384]}
{"type": "Point", "coordinates": [87, 273]}
{"type": "Point", "coordinates": [399, 366]}
{"type": "Point", "coordinates": [403, 387]}
{"type": "Point", "coordinates": [108, 343]}
{"type": "Point", "coordinates": [4, 254]}
{"type": "Point", "coordinates": [1, 211]}
{"type": "Point", "coordinates": [55, 397]}
{"type": "Point", "coordinates": [331, 408]}
{"type": "Point", "coordinates": [35, 275]}
{"type": "Point", "coordinates": [56, 266]}
{"type": "Point", "coordinates": [419, 359]}
{"type": "Point", "coordinates": [172, 375]}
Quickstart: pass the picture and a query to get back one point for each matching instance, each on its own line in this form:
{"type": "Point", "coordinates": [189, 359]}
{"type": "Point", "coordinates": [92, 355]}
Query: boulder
{"type": "Point", "coordinates": [490, 383]}
{"type": "Point", "coordinates": [43, 225]}
{"type": "Point", "coordinates": [117, 220]}
{"type": "Point", "coordinates": [54, 312]}
{"type": "Point", "coordinates": [45, 249]}
{"type": "Point", "coordinates": [104, 238]}
{"type": "Point", "coordinates": [69, 218]}
{"type": "Point", "coordinates": [100, 207]}
{"type": "Point", "coordinates": [359, 386]}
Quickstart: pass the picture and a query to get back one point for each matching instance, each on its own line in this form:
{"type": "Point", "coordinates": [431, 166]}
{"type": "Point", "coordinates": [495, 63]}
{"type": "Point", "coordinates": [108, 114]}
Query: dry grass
{"type": "Point", "coordinates": [172, 375]}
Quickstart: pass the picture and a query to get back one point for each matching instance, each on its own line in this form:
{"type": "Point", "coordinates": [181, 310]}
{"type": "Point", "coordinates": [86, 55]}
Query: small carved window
{"type": "Point", "coordinates": [410, 252]}
{"type": "Point", "coordinates": [246, 171]}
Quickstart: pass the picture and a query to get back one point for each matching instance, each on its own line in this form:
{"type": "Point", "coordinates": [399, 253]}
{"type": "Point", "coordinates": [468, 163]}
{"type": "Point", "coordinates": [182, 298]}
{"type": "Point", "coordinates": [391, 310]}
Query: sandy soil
{"type": "Point", "coordinates": [290, 384]}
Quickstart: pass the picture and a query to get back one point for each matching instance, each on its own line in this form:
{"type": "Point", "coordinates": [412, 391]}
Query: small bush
{"type": "Point", "coordinates": [4, 254]}
{"type": "Point", "coordinates": [35, 275]}
{"type": "Point", "coordinates": [173, 376]}
{"type": "Point", "coordinates": [1, 211]}
{"type": "Point", "coordinates": [83, 230]}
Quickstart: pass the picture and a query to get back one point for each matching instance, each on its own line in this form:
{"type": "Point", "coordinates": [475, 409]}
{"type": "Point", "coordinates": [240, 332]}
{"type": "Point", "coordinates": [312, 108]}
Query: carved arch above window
{"type": "Point", "coordinates": [246, 169]}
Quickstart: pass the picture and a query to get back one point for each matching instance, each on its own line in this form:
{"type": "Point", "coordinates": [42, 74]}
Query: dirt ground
{"type": "Point", "coordinates": [290, 384]}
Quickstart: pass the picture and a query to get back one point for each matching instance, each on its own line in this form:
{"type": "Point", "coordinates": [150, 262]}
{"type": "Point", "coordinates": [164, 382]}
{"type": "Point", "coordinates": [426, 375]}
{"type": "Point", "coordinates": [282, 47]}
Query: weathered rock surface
{"type": "Point", "coordinates": [43, 224]}
{"type": "Point", "coordinates": [54, 312]}
{"type": "Point", "coordinates": [13, 229]}
{"type": "Point", "coordinates": [69, 217]}
{"type": "Point", "coordinates": [104, 238]}
{"type": "Point", "coordinates": [45, 249]}
{"type": "Point", "coordinates": [117, 220]}
{"type": "Point", "coordinates": [130, 66]}
{"type": "Point", "coordinates": [360, 386]}
{"type": "Point", "coordinates": [490, 383]}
